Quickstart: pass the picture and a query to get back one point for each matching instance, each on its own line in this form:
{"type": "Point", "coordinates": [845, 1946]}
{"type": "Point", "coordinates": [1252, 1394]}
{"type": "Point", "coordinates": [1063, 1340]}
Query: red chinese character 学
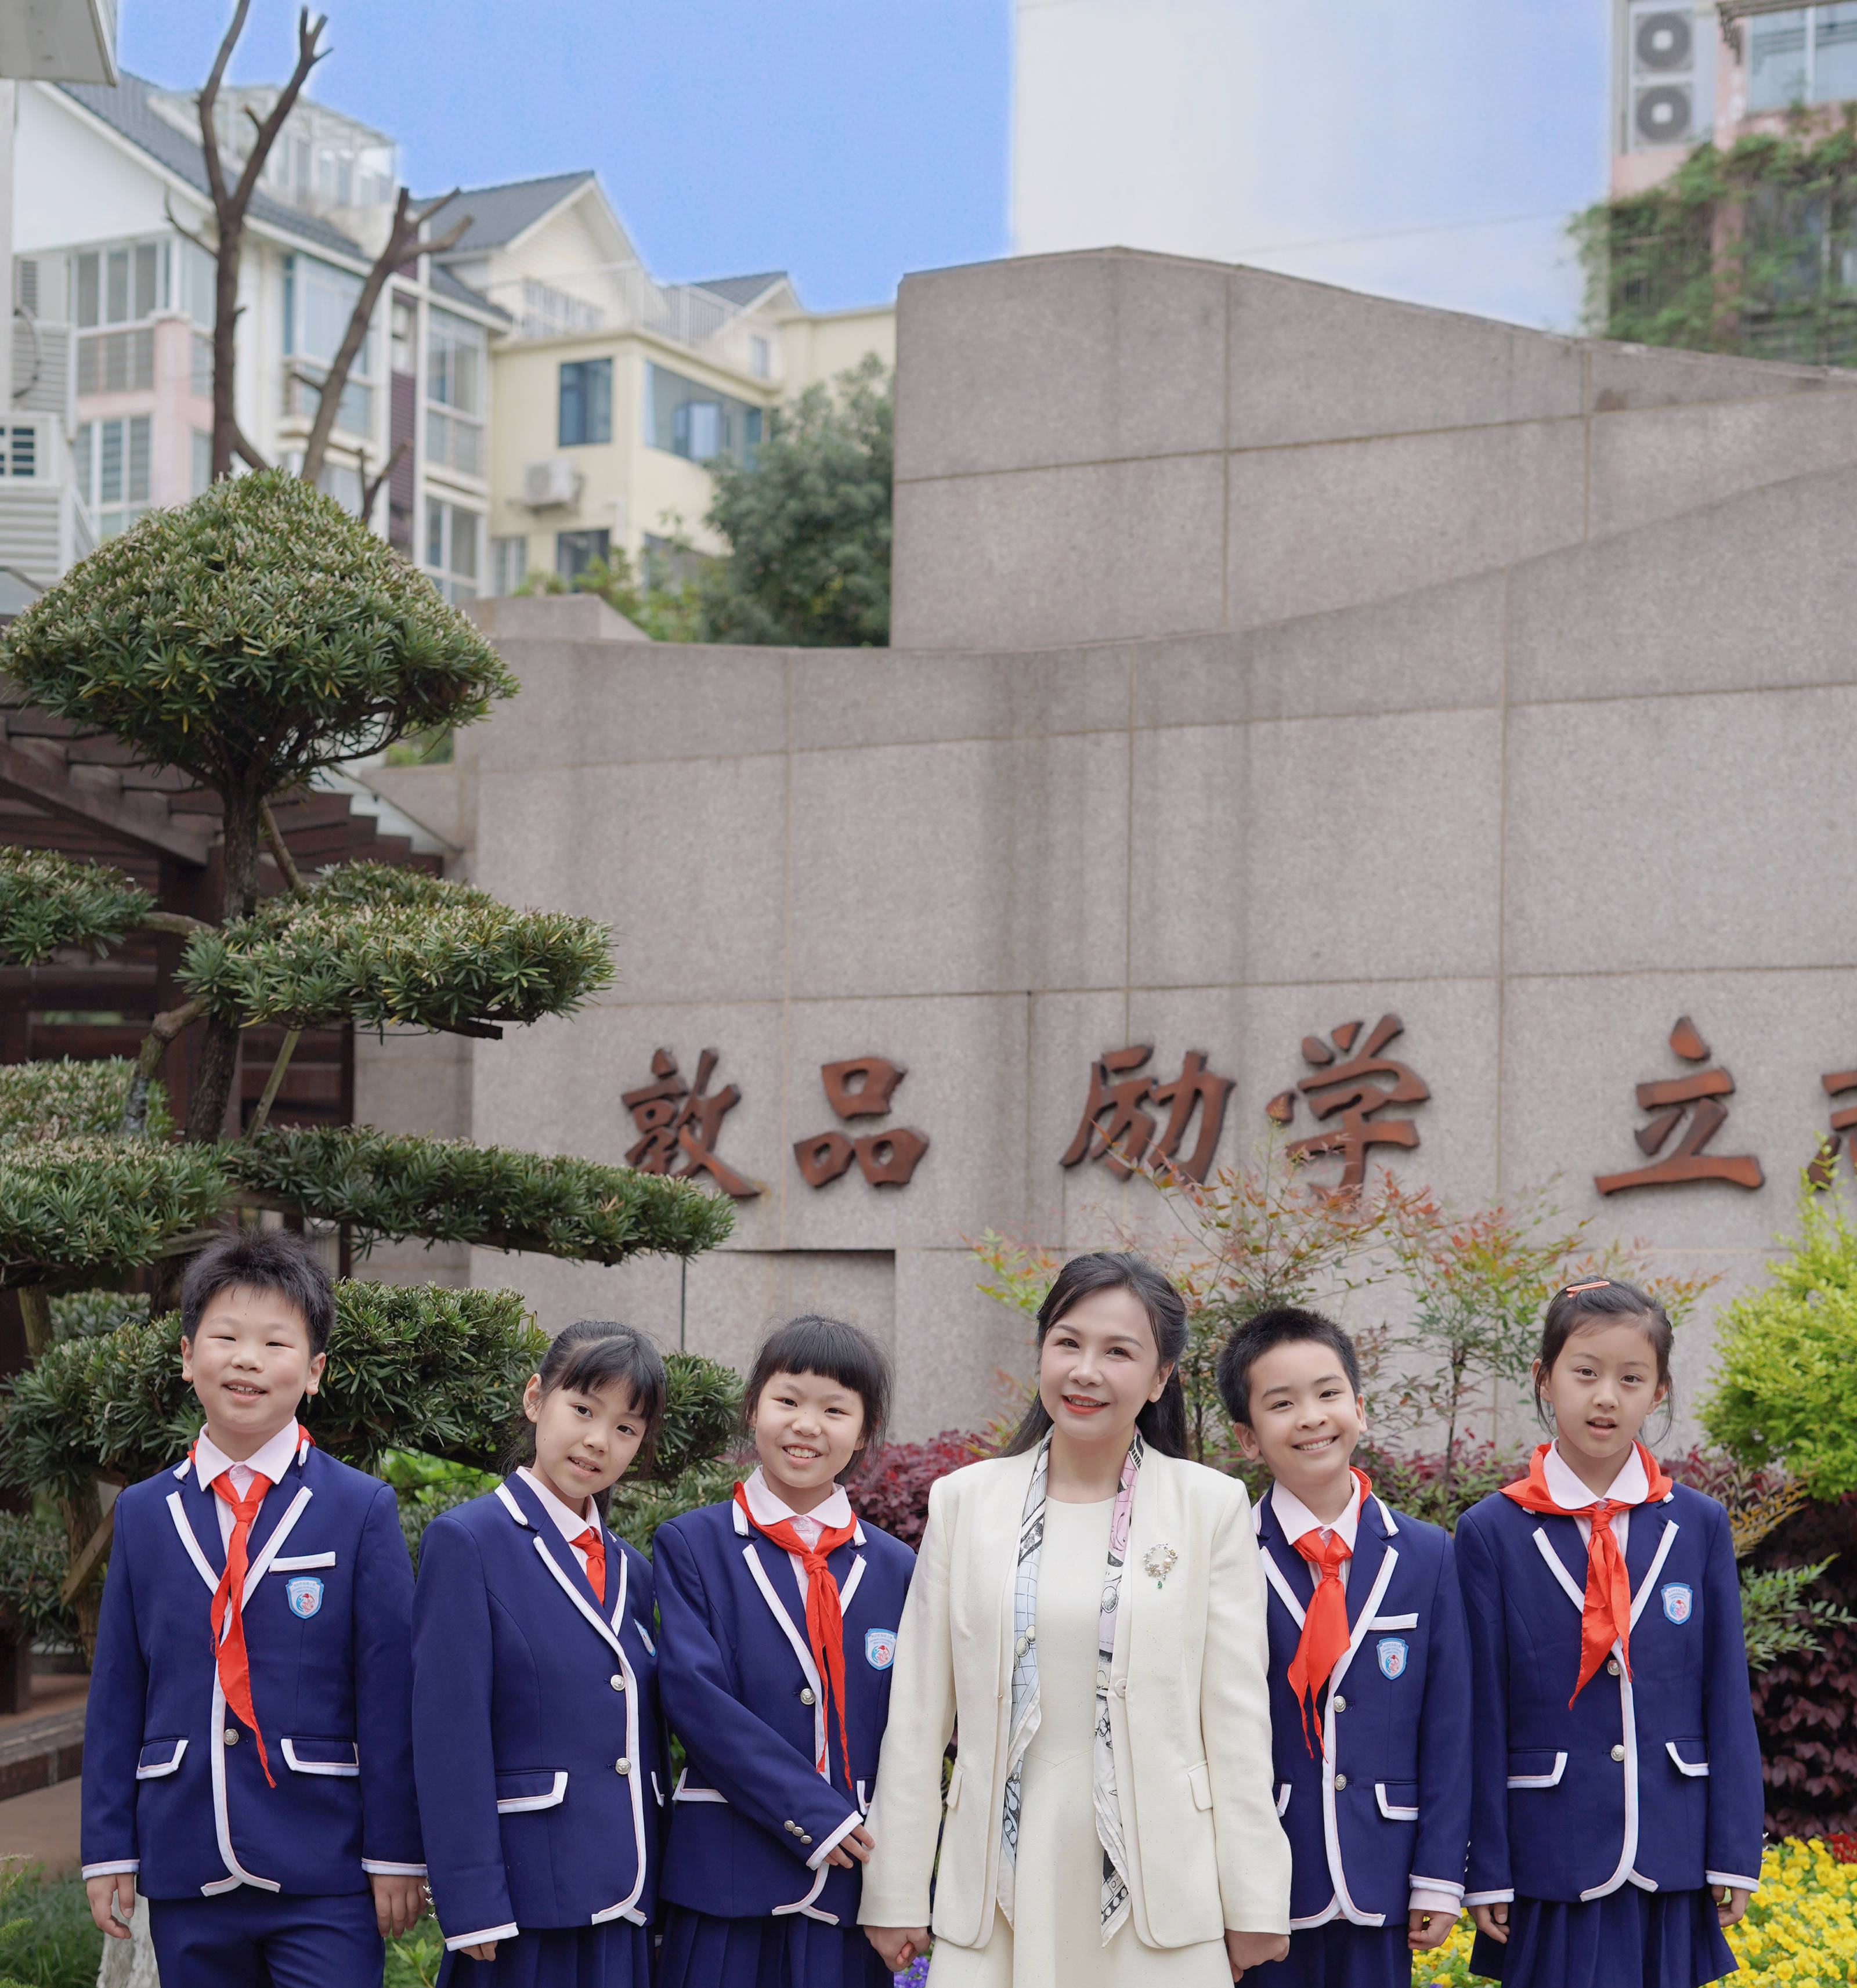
{"type": "Point", "coordinates": [1114, 1128]}
{"type": "Point", "coordinates": [1349, 1088]}
{"type": "Point", "coordinates": [1667, 1101]}
{"type": "Point", "coordinates": [680, 1125]}
{"type": "Point", "coordinates": [861, 1087]}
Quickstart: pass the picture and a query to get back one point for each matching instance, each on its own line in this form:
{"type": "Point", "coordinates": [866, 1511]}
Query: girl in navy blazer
{"type": "Point", "coordinates": [536, 1748]}
{"type": "Point", "coordinates": [779, 1614]}
{"type": "Point", "coordinates": [1616, 1800]}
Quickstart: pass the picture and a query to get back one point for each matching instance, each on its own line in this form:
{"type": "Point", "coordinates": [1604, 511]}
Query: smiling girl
{"type": "Point", "coordinates": [536, 1727]}
{"type": "Point", "coordinates": [780, 1611]}
{"type": "Point", "coordinates": [1089, 1607]}
{"type": "Point", "coordinates": [1616, 1821]}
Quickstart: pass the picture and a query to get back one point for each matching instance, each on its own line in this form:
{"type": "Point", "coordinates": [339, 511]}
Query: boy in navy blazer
{"type": "Point", "coordinates": [1370, 1670]}
{"type": "Point", "coordinates": [247, 1747]}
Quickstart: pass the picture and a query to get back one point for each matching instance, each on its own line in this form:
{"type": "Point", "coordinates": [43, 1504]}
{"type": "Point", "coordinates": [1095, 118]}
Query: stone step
{"type": "Point", "coordinates": [35, 1752]}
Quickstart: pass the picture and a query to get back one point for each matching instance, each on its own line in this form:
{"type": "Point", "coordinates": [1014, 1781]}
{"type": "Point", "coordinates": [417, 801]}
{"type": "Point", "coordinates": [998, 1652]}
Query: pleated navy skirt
{"type": "Point", "coordinates": [1340, 1956]}
{"type": "Point", "coordinates": [790, 1951]}
{"type": "Point", "coordinates": [617, 1955]}
{"type": "Point", "coordinates": [1630, 1938]}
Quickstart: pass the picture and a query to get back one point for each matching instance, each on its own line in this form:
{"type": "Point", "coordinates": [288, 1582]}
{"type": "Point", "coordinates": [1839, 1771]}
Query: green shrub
{"type": "Point", "coordinates": [1784, 1389]}
{"type": "Point", "coordinates": [87, 1210]}
{"type": "Point", "coordinates": [34, 1555]}
{"type": "Point", "coordinates": [47, 900]}
{"type": "Point", "coordinates": [63, 1100]}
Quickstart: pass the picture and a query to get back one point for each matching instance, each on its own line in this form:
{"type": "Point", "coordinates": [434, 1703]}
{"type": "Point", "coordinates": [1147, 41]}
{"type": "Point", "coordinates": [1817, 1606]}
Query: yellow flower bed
{"type": "Point", "coordinates": [1800, 1929]}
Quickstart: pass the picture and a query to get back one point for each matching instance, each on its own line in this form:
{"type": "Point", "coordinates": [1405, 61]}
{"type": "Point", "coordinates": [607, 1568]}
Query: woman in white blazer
{"type": "Point", "coordinates": [1088, 1610]}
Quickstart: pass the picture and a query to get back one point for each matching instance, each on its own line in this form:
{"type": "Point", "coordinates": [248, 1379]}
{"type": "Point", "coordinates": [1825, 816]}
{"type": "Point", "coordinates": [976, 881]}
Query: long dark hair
{"type": "Point", "coordinates": [589, 1355]}
{"type": "Point", "coordinates": [1161, 1423]}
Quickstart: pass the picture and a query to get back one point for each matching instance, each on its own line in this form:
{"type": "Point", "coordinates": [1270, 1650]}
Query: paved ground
{"type": "Point", "coordinates": [42, 1826]}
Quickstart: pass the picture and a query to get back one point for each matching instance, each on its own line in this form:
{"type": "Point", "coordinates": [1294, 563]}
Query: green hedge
{"type": "Point", "coordinates": [47, 900]}
{"type": "Point", "coordinates": [64, 1099]}
{"type": "Point", "coordinates": [85, 1211]}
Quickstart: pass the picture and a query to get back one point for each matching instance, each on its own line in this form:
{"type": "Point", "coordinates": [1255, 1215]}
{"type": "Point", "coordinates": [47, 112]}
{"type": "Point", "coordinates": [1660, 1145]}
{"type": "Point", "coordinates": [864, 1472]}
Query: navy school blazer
{"type": "Point", "coordinates": [751, 1812]}
{"type": "Point", "coordinates": [1384, 1802]}
{"type": "Point", "coordinates": [172, 1786]}
{"type": "Point", "coordinates": [536, 1734]}
{"type": "Point", "coordinates": [1653, 1780]}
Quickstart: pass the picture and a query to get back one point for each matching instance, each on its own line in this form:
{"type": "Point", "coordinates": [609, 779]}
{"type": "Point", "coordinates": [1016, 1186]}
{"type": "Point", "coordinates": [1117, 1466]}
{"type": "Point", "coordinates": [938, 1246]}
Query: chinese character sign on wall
{"type": "Point", "coordinates": [680, 1125]}
{"type": "Point", "coordinates": [1355, 1092]}
{"type": "Point", "coordinates": [861, 1087]}
{"type": "Point", "coordinates": [1115, 1129]}
{"type": "Point", "coordinates": [1697, 1097]}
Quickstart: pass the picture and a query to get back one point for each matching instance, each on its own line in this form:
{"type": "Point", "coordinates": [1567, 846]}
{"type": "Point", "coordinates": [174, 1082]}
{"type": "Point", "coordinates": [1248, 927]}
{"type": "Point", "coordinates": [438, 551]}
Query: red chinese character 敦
{"type": "Point", "coordinates": [1699, 1094]}
{"type": "Point", "coordinates": [680, 1125]}
{"type": "Point", "coordinates": [1351, 1089]}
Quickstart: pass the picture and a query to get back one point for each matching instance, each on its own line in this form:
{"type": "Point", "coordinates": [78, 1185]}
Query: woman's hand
{"type": "Point", "coordinates": [858, 1845]}
{"type": "Point", "coordinates": [1425, 1930]}
{"type": "Point", "coordinates": [484, 1950]}
{"type": "Point", "coordinates": [1732, 1903]}
{"type": "Point", "coordinates": [898, 1945]}
{"type": "Point", "coordinates": [112, 1901]}
{"type": "Point", "coordinates": [1252, 1950]}
{"type": "Point", "coordinates": [1492, 1921]}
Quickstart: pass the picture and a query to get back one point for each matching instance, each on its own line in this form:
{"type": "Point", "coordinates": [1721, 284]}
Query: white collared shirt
{"type": "Point", "coordinates": [765, 1507]}
{"type": "Point", "coordinates": [1630, 1487]}
{"type": "Point", "coordinates": [568, 1523]}
{"type": "Point", "coordinates": [270, 1461]}
{"type": "Point", "coordinates": [1296, 1519]}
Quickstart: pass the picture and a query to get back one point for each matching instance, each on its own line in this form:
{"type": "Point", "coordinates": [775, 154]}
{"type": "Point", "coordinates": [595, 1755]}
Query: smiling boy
{"type": "Point", "coordinates": [248, 1743]}
{"type": "Point", "coordinates": [1370, 1673]}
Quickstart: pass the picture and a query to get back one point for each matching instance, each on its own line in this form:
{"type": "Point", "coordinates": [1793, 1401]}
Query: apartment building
{"type": "Point", "coordinates": [613, 390]}
{"type": "Point", "coordinates": [114, 305]}
{"type": "Point", "coordinates": [1685, 70]}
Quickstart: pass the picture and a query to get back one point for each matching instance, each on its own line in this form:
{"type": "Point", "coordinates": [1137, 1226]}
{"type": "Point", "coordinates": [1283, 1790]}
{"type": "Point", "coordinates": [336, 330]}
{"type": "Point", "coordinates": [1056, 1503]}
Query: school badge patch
{"type": "Point", "coordinates": [1678, 1601]}
{"type": "Point", "coordinates": [1391, 1652]}
{"type": "Point", "coordinates": [304, 1592]}
{"type": "Point", "coordinates": [880, 1648]}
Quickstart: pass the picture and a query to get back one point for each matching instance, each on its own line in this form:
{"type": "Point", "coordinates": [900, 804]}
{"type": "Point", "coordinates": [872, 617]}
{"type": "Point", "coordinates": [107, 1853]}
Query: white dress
{"type": "Point", "coordinates": [1056, 1940]}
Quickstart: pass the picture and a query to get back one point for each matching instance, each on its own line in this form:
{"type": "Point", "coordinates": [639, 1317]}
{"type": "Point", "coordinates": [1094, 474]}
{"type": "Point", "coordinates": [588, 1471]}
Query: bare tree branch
{"type": "Point", "coordinates": [403, 240]}
{"type": "Point", "coordinates": [199, 241]}
{"type": "Point", "coordinates": [280, 853]}
{"type": "Point", "coordinates": [229, 209]}
{"type": "Point", "coordinates": [241, 447]}
{"type": "Point", "coordinates": [370, 486]}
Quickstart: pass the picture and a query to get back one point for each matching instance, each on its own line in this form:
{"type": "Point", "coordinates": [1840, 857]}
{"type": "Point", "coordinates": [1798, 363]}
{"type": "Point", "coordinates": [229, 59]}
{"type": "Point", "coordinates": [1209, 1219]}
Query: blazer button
{"type": "Point", "coordinates": [616, 1681]}
{"type": "Point", "coordinates": [231, 1735]}
{"type": "Point", "coordinates": [1611, 1667]}
{"type": "Point", "coordinates": [806, 1839]}
{"type": "Point", "coordinates": [1121, 1687]}
{"type": "Point", "coordinates": [1340, 1782]}
{"type": "Point", "coordinates": [1618, 1752]}
{"type": "Point", "coordinates": [808, 1695]}
{"type": "Point", "coordinates": [622, 1766]}
{"type": "Point", "coordinates": [1341, 1705]}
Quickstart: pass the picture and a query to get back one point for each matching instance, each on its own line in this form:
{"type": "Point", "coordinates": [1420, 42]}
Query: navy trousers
{"type": "Point", "coordinates": [250, 1938]}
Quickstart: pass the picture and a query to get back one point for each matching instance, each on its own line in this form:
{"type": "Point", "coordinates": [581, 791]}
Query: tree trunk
{"type": "Point", "coordinates": [219, 1043]}
{"type": "Point", "coordinates": [82, 1516]}
{"type": "Point", "coordinates": [226, 326]}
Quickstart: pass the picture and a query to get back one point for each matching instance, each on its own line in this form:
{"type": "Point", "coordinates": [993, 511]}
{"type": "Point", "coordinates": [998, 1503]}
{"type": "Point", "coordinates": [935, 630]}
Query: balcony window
{"type": "Point", "coordinates": [319, 300]}
{"type": "Point", "coordinates": [122, 286]}
{"type": "Point", "coordinates": [456, 376]}
{"type": "Point", "coordinates": [509, 564]}
{"type": "Point", "coordinates": [451, 535]}
{"type": "Point", "coordinates": [1805, 55]}
{"type": "Point", "coordinates": [112, 464]}
{"type": "Point", "coordinates": [587, 402]}
{"type": "Point", "coordinates": [697, 421]}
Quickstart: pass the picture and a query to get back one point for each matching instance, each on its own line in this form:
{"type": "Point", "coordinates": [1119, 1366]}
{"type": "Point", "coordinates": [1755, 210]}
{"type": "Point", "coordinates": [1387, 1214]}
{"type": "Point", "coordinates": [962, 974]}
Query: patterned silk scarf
{"type": "Point", "coordinates": [1114, 1901]}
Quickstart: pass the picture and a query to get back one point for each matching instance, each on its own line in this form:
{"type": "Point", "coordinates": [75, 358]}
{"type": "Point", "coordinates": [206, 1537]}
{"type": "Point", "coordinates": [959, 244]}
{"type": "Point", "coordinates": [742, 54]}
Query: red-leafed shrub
{"type": "Point", "coordinates": [1419, 1483]}
{"type": "Point", "coordinates": [892, 1489]}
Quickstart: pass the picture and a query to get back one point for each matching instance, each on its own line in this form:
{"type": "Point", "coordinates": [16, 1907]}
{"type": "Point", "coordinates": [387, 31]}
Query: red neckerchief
{"type": "Point", "coordinates": [1606, 1617]}
{"type": "Point", "coordinates": [229, 1654]}
{"type": "Point", "coordinates": [1325, 1634]}
{"type": "Point", "coordinates": [824, 1616]}
{"type": "Point", "coordinates": [594, 1547]}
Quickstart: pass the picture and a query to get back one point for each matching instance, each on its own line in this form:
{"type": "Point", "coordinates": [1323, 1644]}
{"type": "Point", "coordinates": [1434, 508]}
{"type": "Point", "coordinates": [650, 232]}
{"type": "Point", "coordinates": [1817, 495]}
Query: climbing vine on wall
{"type": "Point", "coordinates": [1752, 250]}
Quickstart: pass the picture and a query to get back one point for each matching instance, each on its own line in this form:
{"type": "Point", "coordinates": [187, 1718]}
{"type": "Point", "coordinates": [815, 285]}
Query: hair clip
{"type": "Point", "coordinates": [1597, 1284]}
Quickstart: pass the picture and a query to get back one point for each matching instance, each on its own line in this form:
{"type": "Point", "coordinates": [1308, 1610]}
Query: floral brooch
{"type": "Point", "coordinates": [1159, 1562]}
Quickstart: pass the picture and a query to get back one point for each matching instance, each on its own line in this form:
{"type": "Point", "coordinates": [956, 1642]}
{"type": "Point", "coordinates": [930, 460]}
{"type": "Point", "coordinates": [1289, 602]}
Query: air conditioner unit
{"type": "Point", "coordinates": [553, 485]}
{"type": "Point", "coordinates": [1670, 56]}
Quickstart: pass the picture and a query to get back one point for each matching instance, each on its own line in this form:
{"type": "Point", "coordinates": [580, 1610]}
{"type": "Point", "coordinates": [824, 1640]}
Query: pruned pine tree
{"type": "Point", "coordinates": [252, 638]}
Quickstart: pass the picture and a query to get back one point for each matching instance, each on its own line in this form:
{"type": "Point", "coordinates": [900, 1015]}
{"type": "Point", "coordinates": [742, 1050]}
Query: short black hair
{"type": "Point", "coordinates": [262, 1259]}
{"type": "Point", "coordinates": [596, 1353]}
{"type": "Point", "coordinates": [1282, 1326]}
{"type": "Point", "coordinates": [835, 1351]}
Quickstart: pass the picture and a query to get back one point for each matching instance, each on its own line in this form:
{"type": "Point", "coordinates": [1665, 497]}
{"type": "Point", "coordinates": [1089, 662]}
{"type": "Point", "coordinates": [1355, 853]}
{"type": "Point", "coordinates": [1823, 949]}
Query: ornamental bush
{"type": "Point", "coordinates": [66, 1099]}
{"type": "Point", "coordinates": [80, 1211]}
{"type": "Point", "coordinates": [47, 900]}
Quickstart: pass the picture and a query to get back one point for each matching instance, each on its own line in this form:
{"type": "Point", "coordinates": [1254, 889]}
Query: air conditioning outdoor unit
{"type": "Point", "coordinates": [553, 485]}
{"type": "Point", "coordinates": [1670, 56]}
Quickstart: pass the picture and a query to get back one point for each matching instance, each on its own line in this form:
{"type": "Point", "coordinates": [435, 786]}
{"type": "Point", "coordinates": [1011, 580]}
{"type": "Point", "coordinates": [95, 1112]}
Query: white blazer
{"type": "Point", "coordinates": [1189, 1713]}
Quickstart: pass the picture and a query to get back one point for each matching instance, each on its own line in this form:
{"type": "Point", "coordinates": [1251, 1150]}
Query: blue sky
{"type": "Point", "coordinates": [849, 141]}
{"type": "Point", "coordinates": [845, 141]}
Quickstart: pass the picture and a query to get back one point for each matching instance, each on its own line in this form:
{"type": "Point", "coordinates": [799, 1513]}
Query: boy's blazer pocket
{"type": "Point", "coordinates": [1536, 1770]}
{"type": "Point", "coordinates": [1199, 1780]}
{"type": "Point", "coordinates": [1398, 1801]}
{"type": "Point", "coordinates": [159, 1757]}
{"type": "Point", "coordinates": [300, 1563]}
{"type": "Point", "coordinates": [323, 1756]}
{"type": "Point", "coordinates": [530, 1788]}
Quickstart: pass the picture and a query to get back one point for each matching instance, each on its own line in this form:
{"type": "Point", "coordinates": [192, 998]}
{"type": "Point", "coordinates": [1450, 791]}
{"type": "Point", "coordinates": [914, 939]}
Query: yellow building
{"type": "Point", "coordinates": [611, 390]}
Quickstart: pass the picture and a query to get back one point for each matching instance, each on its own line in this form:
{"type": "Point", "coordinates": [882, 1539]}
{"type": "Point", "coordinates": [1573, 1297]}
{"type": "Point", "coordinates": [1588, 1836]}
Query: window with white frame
{"type": "Point", "coordinates": [1804, 54]}
{"type": "Point", "coordinates": [509, 564]}
{"type": "Point", "coordinates": [319, 300]}
{"type": "Point", "coordinates": [122, 286]}
{"type": "Point", "coordinates": [111, 463]}
{"type": "Point", "coordinates": [451, 549]}
{"type": "Point", "coordinates": [457, 373]}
